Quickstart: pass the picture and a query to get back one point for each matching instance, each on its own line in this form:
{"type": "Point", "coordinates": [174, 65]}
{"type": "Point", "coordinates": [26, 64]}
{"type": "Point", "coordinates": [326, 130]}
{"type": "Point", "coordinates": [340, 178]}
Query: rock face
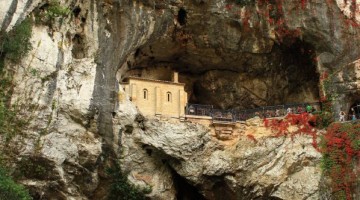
{"type": "Point", "coordinates": [263, 168]}
{"type": "Point", "coordinates": [231, 55]}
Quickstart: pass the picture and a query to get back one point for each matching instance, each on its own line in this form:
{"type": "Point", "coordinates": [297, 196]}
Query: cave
{"type": "Point", "coordinates": [76, 11]}
{"type": "Point", "coordinates": [184, 190]}
{"type": "Point", "coordinates": [78, 50]}
{"type": "Point", "coordinates": [182, 16]}
{"type": "Point", "coordinates": [232, 66]}
{"type": "Point", "coordinates": [285, 75]}
{"type": "Point", "coordinates": [354, 109]}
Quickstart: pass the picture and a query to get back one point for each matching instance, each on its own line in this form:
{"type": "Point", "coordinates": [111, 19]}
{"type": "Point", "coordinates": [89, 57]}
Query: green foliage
{"type": "Point", "coordinates": [16, 43]}
{"type": "Point", "coordinates": [10, 124]}
{"type": "Point", "coordinates": [324, 119]}
{"type": "Point", "coordinates": [50, 11]}
{"type": "Point", "coordinates": [356, 144]}
{"type": "Point", "coordinates": [340, 148]}
{"type": "Point", "coordinates": [326, 163]}
{"type": "Point", "coordinates": [121, 189]}
{"type": "Point", "coordinates": [9, 190]}
{"type": "Point", "coordinates": [56, 10]}
{"type": "Point", "coordinates": [32, 168]}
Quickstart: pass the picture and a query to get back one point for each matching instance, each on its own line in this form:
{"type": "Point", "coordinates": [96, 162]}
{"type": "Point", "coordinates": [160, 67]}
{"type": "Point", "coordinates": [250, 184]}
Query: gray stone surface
{"type": "Point", "coordinates": [67, 89]}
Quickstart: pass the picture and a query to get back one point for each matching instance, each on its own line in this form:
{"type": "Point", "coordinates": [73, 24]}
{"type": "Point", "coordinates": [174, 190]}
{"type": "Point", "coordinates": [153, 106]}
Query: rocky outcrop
{"type": "Point", "coordinates": [230, 55]}
{"type": "Point", "coordinates": [265, 167]}
{"type": "Point", "coordinates": [14, 11]}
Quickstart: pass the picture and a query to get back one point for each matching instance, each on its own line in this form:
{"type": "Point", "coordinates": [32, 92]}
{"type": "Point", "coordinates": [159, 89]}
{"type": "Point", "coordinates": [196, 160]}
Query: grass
{"type": "Point", "coordinates": [9, 190]}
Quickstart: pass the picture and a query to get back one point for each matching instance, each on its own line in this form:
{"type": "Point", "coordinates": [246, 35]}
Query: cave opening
{"type": "Point", "coordinates": [182, 16]}
{"type": "Point", "coordinates": [287, 74]}
{"type": "Point", "coordinates": [222, 191]}
{"type": "Point", "coordinates": [76, 11]}
{"type": "Point", "coordinates": [78, 50]}
{"type": "Point", "coordinates": [354, 110]}
{"type": "Point", "coordinates": [184, 190]}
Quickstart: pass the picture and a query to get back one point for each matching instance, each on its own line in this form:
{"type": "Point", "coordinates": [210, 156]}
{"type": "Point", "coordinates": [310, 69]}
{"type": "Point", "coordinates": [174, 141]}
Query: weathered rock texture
{"type": "Point", "coordinates": [265, 167]}
{"type": "Point", "coordinates": [230, 55]}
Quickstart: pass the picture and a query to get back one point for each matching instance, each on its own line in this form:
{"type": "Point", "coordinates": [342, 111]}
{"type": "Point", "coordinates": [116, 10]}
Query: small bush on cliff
{"type": "Point", "coordinates": [10, 190]}
{"type": "Point", "coordinates": [50, 11]}
{"type": "Point", "coordinates": [324, 119]}
{"type": "Point", "coordinates": [13, 46]}
{"type": "Point", "coordinates": [16, 43]}
{"type": "Point", "coordinates": [121, 189]}
{"type": "Point", "coordinates": [9, 123]}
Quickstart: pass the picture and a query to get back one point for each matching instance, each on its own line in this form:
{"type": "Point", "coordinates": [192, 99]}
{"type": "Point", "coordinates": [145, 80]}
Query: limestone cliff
{"type": "Point", "coordinates": [232, 54]}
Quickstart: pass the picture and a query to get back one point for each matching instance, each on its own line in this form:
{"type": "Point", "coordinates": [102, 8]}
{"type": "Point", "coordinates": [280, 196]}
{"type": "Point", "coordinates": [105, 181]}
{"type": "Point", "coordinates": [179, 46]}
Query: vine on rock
{"type": "Point", "coordinates": [273, 12]}
{"type": "Point", "coordinates": [304, 122]}
{"type": "Point", "coordinates": [340, 146]}
{"type": "Point", "coordinates": [328, 95]}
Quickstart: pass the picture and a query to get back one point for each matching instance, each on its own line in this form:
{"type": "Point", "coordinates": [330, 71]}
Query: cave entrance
{"type": "Point", "coordinates": [184, 190]}
{"type": "Point", "coordinates": [354, 110]}
{"type": "Point", "coordinates": [182, 16]}
{"type": "Point", "coordinates": [287, 74]}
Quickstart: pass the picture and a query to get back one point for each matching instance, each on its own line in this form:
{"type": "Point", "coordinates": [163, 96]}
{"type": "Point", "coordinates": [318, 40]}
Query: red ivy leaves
{"type": "Point", "coordinates": [304, 123]}
{"type": "Point", "coordinates": [251, 137]}
{"type": "Point", "coordinates": [341, 147]}
{"type": "Point", "coordinates": [340, 144]}
{"type": "Point", "coordinates": [228, 7]}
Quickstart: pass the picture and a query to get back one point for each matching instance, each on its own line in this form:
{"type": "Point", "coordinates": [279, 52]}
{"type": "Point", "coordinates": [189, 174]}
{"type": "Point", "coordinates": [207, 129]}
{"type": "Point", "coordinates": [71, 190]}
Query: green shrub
{"type": "Point", "coordinates": [56, 10]}
{"type": "Point", "coordinates": [10, 123]}
{"type": "Point", "coordinates": [50, 11]}
{"type": "Point", "coordinates": [9, 190]}
{"type": "Point", "coordinates": [121, 189]}
{"type": "Point", "coordinates": [357, 144]}
{"type": "Point", "coordinates": [324, 119]}
{"type": "Point", "coordinates": [16, 43]}
{"type": "Point", "coordinates": [326, 163]}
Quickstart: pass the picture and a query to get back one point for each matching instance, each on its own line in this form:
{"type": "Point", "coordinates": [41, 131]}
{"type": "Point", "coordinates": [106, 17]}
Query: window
{"type": "Point", "coordinates": [145, 92]}
{"type": "Point", "coordinates": [168, 96]}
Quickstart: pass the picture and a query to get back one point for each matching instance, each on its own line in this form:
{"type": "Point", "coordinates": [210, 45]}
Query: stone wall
{"type": "Point", "coordinates": [155, 97]}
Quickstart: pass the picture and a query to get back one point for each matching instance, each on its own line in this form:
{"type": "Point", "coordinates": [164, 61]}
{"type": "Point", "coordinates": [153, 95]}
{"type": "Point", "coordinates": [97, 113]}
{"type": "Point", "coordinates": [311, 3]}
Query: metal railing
{"type": "Point", "coordinates": [199, 110]}
{"type": "Point", "coordinates": [242, 115]}
{"type": "Point", "coordinates": [223, 115]}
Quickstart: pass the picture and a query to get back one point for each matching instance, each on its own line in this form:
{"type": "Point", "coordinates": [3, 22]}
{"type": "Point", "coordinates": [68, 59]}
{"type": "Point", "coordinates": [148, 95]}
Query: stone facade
{"type": "Point", "coordinates": [157, 97]}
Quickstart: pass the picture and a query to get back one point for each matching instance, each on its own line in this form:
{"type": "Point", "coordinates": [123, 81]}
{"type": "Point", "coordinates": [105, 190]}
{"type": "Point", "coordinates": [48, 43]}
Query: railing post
{"type": "Point", "coordinates": [233, 115]}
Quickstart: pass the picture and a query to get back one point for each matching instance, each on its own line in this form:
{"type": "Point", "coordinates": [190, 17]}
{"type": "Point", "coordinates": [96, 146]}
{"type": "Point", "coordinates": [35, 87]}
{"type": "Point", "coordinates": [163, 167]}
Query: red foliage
{"type": "Point", "coordinates": [303, 4]}
{"type": "Point", "coordinates": [324, 76]}
{"type": "Point", "coordinates": [228, 7]}
{"type": "Point", "coordinates": [341, 147]}
{"type": "Point", "coordinates": [251, 137]}
{"type": "Point", "coordinates": [304, 123]}
{"type": "Point", "coordinates": [246, 19]}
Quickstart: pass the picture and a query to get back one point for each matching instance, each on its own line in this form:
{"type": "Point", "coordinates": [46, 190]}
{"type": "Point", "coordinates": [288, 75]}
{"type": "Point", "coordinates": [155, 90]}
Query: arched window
{"type": "Point", "coordinates": [168, 97]}
{"type": "Point", "coordinates": [145, 93]}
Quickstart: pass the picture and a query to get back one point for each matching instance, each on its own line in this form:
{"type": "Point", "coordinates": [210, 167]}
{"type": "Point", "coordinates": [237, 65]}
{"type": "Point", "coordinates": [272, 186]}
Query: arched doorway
{"type": "Point", "coordinates": [354, 110]}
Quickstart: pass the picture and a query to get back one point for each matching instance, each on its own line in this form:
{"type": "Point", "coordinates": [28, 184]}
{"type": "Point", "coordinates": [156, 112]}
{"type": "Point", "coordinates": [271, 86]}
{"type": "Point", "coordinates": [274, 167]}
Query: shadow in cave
{"type": "Point", "coordinates": [299, 59]}
{"type": "Point", "coordinates": [288, 74]}
{"type": "Point", "coordinates": [184, 190]}
{"type": "Point", "coordinates": [354, 109]}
